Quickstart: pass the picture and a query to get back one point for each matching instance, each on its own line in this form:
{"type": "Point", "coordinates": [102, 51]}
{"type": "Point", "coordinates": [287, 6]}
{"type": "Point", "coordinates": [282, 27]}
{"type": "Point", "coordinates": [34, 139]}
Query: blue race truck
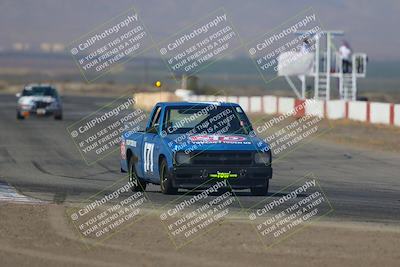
{"type": "Point", "coordinates": [193, 144]}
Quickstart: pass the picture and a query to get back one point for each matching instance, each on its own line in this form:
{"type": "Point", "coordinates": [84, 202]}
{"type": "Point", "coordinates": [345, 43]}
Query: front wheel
{"type": "Point", "coordinates": [260, 191]}
{"type": "Point", "coordinates": [138, 184]}
{"type": "Point", "coordinates": [19, 116]}
{"type": "Point", "coordinates": [165, 180]}
{"type": "Point", "coordinates": [58, 117]}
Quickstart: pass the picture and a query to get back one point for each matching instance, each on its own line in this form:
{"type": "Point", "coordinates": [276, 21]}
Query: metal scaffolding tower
{"type": "Point", "coordinates": [327, 65]}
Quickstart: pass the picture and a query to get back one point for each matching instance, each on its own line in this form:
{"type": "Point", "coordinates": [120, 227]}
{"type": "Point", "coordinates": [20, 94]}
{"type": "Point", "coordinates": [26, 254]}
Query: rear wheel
{"type": "Point", "coordinates": [165, 180]}
{"type": "Point", "coordinates": [260, 191]}
{"type": "Point", "coordinates": [138, 184]}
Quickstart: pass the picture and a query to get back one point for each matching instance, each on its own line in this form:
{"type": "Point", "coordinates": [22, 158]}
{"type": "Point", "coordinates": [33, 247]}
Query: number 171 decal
{"type": "Point", "coordinates": [148, 157]}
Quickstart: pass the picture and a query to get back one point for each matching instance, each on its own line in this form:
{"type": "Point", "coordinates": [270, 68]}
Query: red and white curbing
{"type": "Point", "coordinates": [9, 194]}
{"type": "Point", "coordinates": [372, 112]}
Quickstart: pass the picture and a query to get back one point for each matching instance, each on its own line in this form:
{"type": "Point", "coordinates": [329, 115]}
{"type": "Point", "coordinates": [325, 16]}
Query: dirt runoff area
{"type": "Point", "coordinates": [41, 235]}
{"type": "Point", "coordinates": [357, 134]}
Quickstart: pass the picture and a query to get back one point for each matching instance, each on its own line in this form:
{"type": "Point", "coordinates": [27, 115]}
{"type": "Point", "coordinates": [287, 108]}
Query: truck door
{"type": "Point", "coordinates": [151, 147]}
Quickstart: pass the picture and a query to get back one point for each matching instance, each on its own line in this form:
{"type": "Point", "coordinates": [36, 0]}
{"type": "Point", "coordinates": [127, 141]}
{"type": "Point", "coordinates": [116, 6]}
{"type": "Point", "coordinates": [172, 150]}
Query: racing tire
{"type": "Point", "coordinates": [58, 117]}
{"type": "Point", "coordinates": [19, 116]}
{"type": "Point", "coordinates": [139, 184]}
{"type": "Point", "coordinates": [165, 180]}
{"type": "Point", "coordinates": [260, 191]}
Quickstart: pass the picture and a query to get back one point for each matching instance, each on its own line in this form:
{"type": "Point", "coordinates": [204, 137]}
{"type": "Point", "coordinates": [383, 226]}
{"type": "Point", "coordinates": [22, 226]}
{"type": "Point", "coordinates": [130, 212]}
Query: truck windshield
{"type": "Point", "coordinates": [210, 119]}
{"type": "Point", "coordinates": [39, 91]}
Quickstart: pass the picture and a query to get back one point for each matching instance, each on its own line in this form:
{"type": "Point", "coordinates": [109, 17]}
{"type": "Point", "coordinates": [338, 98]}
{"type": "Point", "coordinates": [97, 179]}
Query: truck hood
{"type": "Point", "coordinates": [225, 142]}
{"type": "Point", "coordinates": [30, 100]}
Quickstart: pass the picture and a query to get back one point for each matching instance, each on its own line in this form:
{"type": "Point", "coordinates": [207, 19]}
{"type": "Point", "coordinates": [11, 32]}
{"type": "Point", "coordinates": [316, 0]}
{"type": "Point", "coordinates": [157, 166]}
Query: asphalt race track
{"type": "Point", "coordinates": [38, 157]}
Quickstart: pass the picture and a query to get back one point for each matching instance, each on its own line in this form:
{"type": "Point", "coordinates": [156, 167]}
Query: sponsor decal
{"type": "Point", "coordinates": [131, 143]}
{"type": "Point", "coordinates": [148, 157]}
{"type": "Point", "coordinates": [223, 175]}
{"type": "Point", "coordinates": [219, 139]}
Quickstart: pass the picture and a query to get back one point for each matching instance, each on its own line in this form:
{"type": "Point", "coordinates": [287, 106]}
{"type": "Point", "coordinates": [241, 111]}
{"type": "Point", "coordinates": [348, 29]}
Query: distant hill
{"type": "Point", "coordinates": [226, 73]}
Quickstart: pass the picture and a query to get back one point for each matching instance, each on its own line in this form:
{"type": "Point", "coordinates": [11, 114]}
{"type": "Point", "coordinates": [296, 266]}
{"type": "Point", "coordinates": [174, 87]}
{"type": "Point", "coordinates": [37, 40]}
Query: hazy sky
{"type": "Point", "coordinates": [370, 26]}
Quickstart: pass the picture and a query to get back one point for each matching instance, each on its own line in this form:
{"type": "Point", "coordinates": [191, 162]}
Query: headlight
{"type": "Point", "coordinates": [262, 158]}
{"type": "Point", "coordinates": [182, 158]}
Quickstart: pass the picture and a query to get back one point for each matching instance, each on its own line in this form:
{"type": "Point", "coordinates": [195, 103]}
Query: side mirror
{"type": "Point", "coordinates": [18, 95]}
{"type": "Point", "coordinates": [152, 130]}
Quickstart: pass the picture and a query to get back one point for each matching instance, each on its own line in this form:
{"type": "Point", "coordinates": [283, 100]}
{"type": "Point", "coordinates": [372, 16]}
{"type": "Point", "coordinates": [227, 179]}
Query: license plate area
{"type": "Point", "coordinates": [40, 111]}
{"type": "Point", "coordinates": [223, 175]}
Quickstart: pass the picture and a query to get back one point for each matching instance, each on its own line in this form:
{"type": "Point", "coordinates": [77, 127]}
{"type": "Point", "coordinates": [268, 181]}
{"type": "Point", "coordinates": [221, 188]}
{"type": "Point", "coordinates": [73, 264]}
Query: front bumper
{"type": "Point", "coordinates": [39, 111]}
{"type": "Point", "coordinates": [199, 177]}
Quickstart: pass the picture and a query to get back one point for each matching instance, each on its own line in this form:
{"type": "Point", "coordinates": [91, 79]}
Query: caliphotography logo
{"type": "Point", "coordinates": [199, 133]}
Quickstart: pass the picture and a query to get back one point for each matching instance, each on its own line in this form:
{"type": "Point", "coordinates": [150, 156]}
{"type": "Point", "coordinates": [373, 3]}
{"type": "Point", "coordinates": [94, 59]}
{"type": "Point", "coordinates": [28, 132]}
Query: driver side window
{"type": "Point", "coordinates": [155, 122]}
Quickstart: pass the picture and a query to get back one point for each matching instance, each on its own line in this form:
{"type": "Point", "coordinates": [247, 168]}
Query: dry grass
{"type": "Point", "coordinates": [376, 136]}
